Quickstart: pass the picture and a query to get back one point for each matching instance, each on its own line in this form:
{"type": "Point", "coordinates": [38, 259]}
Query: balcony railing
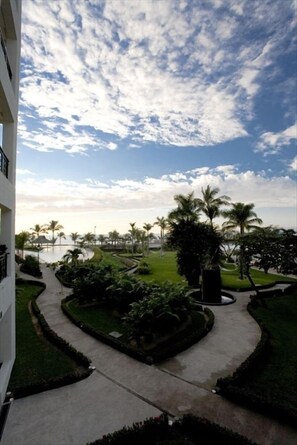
{"type": "Point", "coordinates": [3, 266]}
{"type": "Point", "coordinates": [3, 45]}
{"type": "Point", "coordinates": [3, 163]}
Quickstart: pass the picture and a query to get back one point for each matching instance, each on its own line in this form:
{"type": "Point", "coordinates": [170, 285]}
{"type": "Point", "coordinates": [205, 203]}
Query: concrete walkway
{"type": "Point", "coordinates": [122, 390]}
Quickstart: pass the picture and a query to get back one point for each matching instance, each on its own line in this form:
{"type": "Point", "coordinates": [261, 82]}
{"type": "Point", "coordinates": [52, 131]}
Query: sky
{"type": "Point", "coordinates": [126, 103]}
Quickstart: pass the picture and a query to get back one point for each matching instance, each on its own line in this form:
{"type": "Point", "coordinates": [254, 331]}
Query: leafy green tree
{"type": "Point", "coordinates": [101, 239]}
{"type": "Point", "coordinates": [114, 237]}
{"type": "Point", "coordinates": [210, 204]}
{"type": "Point", "coordinates": [243, 217]}
{"type": "Point", "coordinates": [288, 252]}
{"type": "Point", "coordinates": [89, 238]}
{"type": "Point", "coordinates": [54, 226]}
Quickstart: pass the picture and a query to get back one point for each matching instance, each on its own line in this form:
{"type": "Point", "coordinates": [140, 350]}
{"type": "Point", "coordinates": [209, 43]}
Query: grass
{"type": "Point", "coordinates": [276, 377]}
{"type": "Point", "coordinates": [164, 268]}
{"type": "Point", "coordinates": [107, 259]}
{"type": "Point", "coordinates": [37, 360]}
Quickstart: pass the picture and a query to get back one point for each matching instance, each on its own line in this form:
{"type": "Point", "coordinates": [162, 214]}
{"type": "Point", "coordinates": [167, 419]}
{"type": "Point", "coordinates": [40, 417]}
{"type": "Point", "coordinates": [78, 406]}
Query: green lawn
{"type": "Point", "coordinates": [164, 268]}
{"type": "Point", "coordinates": [37, 360]}
{"type": "Point", "coordinates": [276, 376]}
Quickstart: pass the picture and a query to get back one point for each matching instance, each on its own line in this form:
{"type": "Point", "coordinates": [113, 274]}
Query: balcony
{"type": "Point", "coordinates": [3, 163]}
{"type": "Point", "coordinates": [3, 266]}
{"type": "Point", "coordinates": [4, 49]}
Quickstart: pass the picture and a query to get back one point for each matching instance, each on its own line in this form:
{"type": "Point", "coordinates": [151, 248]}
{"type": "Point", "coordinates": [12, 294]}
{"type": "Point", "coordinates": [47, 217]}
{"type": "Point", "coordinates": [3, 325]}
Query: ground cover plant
{"type": "Point", "coordinates": [270, 381]}
{"type": "Point", "coordinates": [37, 360]}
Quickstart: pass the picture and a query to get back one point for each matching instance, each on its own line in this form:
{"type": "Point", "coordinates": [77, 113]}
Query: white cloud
{"type": "Point", "coordinates": [271, 143]}
{"type": "Point", "coordinates": [69, 199]}
{"type": "Point", "coordinates": [293, 164]}
{"type": "Point", "coordinates": [150, 70]}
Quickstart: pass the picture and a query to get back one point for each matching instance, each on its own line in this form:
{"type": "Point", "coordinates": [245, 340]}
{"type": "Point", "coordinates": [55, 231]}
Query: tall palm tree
{"type": "Point", "coordinates": [74, 236]}
{"type": "Point", "coordinates": [60, 236]}
{"type": "Point", "coordinates": [72, 256]}
{"type": "Point", "coordinates": [243, 217]}
{"type": "Point", "coordinates": [187, 209]}
{"type": "Point", "coordinates": [38, 229]}
{"type": "Point", "coordinates": [162, 223]}
{"type": "Point", "coordinates": [114, 237]}
{"type": "Point", "coordinates": [211, 205]}
{"type": "Point", "coordinates": [147, 227]}
{"type": "Point", "coordinates": [101, 239]}
{"type": "Point", "coordinates": [133, 233]}
{"type": "Point", "coordinates": [54, 226]}
{"type": "Point", "coordinates": [89, 238]}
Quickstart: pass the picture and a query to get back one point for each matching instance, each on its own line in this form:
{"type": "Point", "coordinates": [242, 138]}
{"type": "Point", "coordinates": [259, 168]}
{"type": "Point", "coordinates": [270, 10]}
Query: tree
{"type": "Point", "coordinates": [288, 252]}
{"type": "Point", "coordinates": [243, 217]}
{"type": "Point", "coordinates": [197, 245]}
{"type": "Point", "coordinates": [60, 236]}
{"type": "Point", "coordinates": [21, 239]}
{"type": "Point", "coordinates": [187, 209]}
{"type": "Point", "coordinates": [89, 238]}
{"type": "Point", "coordinates": [133, 233]}
{"type": "Point", "coordinates": [72, 256]}
{"type": "Point", "coordinates": [74, 237]}
{"type": "Point", "coordinates": [54, 226]}
{"type": "Point", "coordinates": [211, 205]}
{"type": "Point", "coordinates": [162, 223]}
{"type": "Point", "coordinates": [101, 239]}
{"type": "Point", "coordinates": [147, 227]}
{"type": "Point", "coordinates": [114, 237]}
{"type": "Point", "coordinates": [38, 229]}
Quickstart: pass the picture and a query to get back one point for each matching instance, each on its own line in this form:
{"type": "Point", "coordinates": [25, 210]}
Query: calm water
{"type": "Point", "coordinates": [52, 254]}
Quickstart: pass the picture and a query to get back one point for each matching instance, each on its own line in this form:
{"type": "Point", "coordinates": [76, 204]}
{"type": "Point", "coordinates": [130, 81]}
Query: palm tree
{"type": "Point", "coordinates": [54, 226]}
{"type": "Point", "coordinates": [187, 209]}
{"type": "Point", "coordinates": [210, 204]}
{"type": "Point", "coordinates": [21, 239]}
{"type": "Point", "coordinates": [243, 217]}
{"type": "Point", "coordinates": [38, 229]}
{"type": "Point", "coordinates": [133, 233]}
{"type": "Point", "coordinates": [114, 237]}
{"type": "Point", "coordinates": [101, 239]}
{"type": "Point", "coordinates": [89, 238]}
{"type": "Point", "coordinates": [74, 236]}
{"type": "Point", "coordinates": [147, 227]}
{"type": "Point", "coordinates": [72, 256]}
{"type": "Point", "coordinates": [162, 223]}
{"type": "Point", "coordinates": [60, 236]}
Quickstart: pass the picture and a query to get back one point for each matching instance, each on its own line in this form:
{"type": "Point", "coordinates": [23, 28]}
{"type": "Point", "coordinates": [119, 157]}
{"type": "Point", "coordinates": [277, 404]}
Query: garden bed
{"type": "Point", "coordinates": [99, 321]}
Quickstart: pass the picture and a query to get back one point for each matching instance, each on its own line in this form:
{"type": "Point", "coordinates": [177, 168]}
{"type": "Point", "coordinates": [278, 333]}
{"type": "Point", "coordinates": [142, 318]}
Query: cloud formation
{"type": "Point", "coordinates": [168, 72]}
{"type": "Point", "coordinates": [272, 143]}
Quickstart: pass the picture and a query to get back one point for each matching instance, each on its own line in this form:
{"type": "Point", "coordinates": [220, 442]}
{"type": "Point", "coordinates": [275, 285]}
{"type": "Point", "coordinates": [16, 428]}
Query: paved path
{"type": "Point", "coordinates": [122, 390]}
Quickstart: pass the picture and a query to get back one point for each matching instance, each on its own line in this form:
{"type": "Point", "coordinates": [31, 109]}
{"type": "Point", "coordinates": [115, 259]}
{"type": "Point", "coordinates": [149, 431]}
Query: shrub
{"type": "Point", "coordinates": [30, 266]}
{"type": "Point", "coordinates": [143, 268]}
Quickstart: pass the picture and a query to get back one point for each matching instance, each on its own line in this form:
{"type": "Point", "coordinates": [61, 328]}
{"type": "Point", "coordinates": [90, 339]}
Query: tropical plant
{"type": "Point", "coordinates": [38, 229]}
{"type": "Point", "coordinates": [133, 233]}
{"type": "Point", "coordinates": [187, 209]}
{"type": "Point", "coordinates": [21, 239]}
{"type": "Point", "coordinates": [30, 266]}
{"type": "Point", "coordinates": [101, 239]}
{"type": "Point", "coordinates": [61, 235]}
{"type": "Point", "coordinates": [54, 226]}
{"type": "Point", "coordinates": [89, 238]}
{"type": "Point", "coordinates": [74, 237]}
{"type": "Point", "coordinates": [243, 217]}
{"type": "Point", "coordinates": [72, 256]}
{"type": "Point", "coordinates": [114, 237]}
{"type": "Point", "coordinates": [211, 205]}
{"type": "Point", "coordinates": [162, 223]}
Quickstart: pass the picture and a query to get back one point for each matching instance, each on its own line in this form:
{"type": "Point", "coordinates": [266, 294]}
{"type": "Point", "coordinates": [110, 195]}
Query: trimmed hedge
{"type": "Point", "coordinates": [176, 343]}
{"type": "Point", "coordinates": [189, 430]}
{"type": "Point", "coordinates": [230, 388]}
{"type": "Point", "coordinates": [59, 342]}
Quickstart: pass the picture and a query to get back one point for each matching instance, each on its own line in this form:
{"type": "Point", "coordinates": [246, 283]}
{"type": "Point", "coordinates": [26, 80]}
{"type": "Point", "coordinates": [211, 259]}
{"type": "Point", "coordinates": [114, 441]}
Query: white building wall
{"type": "Point", "coordinates": [10, 27]}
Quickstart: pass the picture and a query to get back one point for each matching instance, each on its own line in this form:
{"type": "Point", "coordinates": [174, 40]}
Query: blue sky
{"type": "Point", "coordinates": [124, 104]}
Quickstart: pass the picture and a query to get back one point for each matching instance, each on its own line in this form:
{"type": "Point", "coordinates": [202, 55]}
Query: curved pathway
{"type": "Point", "coordinates": [122, 390]}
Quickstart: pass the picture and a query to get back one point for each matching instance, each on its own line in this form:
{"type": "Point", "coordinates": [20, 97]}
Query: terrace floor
{"type": "Point", "coordinates": [122, 390]}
